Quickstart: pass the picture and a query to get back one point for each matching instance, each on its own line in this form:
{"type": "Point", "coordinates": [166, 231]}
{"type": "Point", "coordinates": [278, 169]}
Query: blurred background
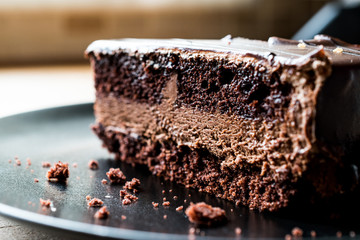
{"type": "Point", "coordinates": [58, 31]}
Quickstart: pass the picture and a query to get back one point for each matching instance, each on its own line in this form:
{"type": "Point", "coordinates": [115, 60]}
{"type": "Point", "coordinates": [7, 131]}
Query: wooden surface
{"type": "Point", "coordinates": [30, 88]}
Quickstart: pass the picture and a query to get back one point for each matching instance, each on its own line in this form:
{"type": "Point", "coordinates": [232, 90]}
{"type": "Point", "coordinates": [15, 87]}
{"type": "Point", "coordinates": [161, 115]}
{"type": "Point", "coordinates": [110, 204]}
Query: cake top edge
{"type": "Point", "coordinates": [286, 51]}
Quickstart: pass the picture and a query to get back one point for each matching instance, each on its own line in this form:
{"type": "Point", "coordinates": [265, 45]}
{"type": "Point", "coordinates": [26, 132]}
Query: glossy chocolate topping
{"type": "Point", "coordinates": [285, 51]}
{"type": "Point", "coordinates": [339, 52]}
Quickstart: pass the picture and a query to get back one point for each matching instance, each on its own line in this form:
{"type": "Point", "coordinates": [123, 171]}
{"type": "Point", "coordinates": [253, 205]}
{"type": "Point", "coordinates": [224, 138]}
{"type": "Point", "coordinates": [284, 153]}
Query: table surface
{"type": "Point", "coordinates": [25, 89]}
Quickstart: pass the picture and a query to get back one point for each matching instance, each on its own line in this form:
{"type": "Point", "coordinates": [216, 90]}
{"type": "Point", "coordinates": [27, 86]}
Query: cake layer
{"type": "Point", "coordinates": [248, 88]}
{"type": "Point", "coordinates": [240, 120]}
{"type": "Point", "coordinates": [197, 168]}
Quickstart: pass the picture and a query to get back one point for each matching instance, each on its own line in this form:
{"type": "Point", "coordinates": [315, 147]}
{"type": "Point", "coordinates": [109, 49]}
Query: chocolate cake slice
{"type": "Point", "coordinates": [260, 123]}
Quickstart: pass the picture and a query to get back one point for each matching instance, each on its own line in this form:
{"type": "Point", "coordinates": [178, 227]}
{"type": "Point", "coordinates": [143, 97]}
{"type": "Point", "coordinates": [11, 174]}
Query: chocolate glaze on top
{"type": "Point", "coordinates": [283, 50]}
{"type": "Point", "coordinates": [350, 52]}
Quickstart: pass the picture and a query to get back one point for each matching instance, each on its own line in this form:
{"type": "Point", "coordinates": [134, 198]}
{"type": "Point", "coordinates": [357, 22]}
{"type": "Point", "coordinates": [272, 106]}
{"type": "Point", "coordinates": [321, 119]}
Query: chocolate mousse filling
{"type": "Point", "coordinates": [243, 127]}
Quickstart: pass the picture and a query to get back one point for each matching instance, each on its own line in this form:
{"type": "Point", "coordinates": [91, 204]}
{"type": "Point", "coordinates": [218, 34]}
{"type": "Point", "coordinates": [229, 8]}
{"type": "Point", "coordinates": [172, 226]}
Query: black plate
{"type": "Point", "coordinates": [63, 134]}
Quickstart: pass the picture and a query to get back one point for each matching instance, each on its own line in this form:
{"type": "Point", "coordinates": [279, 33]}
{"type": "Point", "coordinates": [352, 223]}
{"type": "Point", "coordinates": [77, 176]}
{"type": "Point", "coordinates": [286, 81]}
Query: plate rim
{"type": "Point", "coordinates": [80, 227]}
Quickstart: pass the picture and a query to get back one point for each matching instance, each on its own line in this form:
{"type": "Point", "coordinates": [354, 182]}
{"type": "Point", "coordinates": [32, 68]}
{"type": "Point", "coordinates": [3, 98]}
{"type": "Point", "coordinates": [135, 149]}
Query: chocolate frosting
{"type": "Point", "coordinates": [350, 54]}
{"type": "Point", "coordinates": [283, 50]}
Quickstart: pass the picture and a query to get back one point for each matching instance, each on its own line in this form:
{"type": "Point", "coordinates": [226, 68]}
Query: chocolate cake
{"type": "Point", "coordinates": [263, 124]}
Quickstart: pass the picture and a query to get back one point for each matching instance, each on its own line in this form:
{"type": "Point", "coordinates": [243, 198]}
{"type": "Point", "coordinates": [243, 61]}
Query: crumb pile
{"type": "Point", "coordinates": [58, 173]}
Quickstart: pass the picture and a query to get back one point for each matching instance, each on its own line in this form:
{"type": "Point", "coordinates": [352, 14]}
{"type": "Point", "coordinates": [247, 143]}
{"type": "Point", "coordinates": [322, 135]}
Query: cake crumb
{"type": "Point", "coordinates": [338, 50]}
{"type": "Point", "coordinates": [93, 164]}
{"type": "Point", "coordinates": [88, 197]}
{"type": "Point", "coordinates": [102, 213]}
{"type": "Point", "coordinates": [58, 173]}
{"type": "Point", "coordinates": [123, 217]}
{"type": "Point", "coordinates": [163, 191]}
{"type": "Point", "coordinates": [192, 231]}
{"type": "Point", "coordinates": [352, 234]}
{"type": "Point", "coordinates": [179, 208]}
{"type": "Point", "coordinates": [131, 197]}
{"type": "Point", "coordinates": [123, 193]}
{"type": "Point", "coordinates": [338, 234]}
{"type": "Point", "coordinates": [165, 216]}
{"type": "Point", "coordinates": [175, 197]}
{"type": "Point", "coordinates": [155, 205]}
{"type": "Point", "coordinates": [46, 164]}
{"type": "Point", "coordinates": [204, 214]}
{"type": "Point", "coordinates": [164, 199]}
{"type": "Point", "coordinates": [170, 191]}
{"type": "Point", "coordinates": [128, 198]}
{"type": "Point", "coordinates": [36, 180]}
{"type": "Point", "coordinates": [297, 232]}
{"type": "Point", "coordinates": [238, 231]}
{"type": "Point", "coordinates": [166, 203]}
{"type": "Point", "coordinates": [28, 160]}
{"type": "Point", "coordinates": [126, 201]}
{"type": "Point", "coordinates": [133, 184]}
{"type": "Point", "coordinates": [301, 45]}
{"type": "Point", "coordinates": [313, 233]}
{"type": "Point", "coordinates": [18, 162]}
{"type": "Point", "coordinates": [115, 175]}
{"type": "Point", "coordinates": [75, 165]}
{"type": "Point", "coordinates": [288, 237]}
{"type": "Point", "coordinates": [95, 202]}
{"type": "Point", "coordinates": [45, 203]}
{"type": "Point", "coordinates": [104, 181]}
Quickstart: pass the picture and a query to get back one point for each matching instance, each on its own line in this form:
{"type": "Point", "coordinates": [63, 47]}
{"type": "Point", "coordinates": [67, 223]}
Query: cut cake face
{"type": "Point", "coordinates": [258, 123]}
